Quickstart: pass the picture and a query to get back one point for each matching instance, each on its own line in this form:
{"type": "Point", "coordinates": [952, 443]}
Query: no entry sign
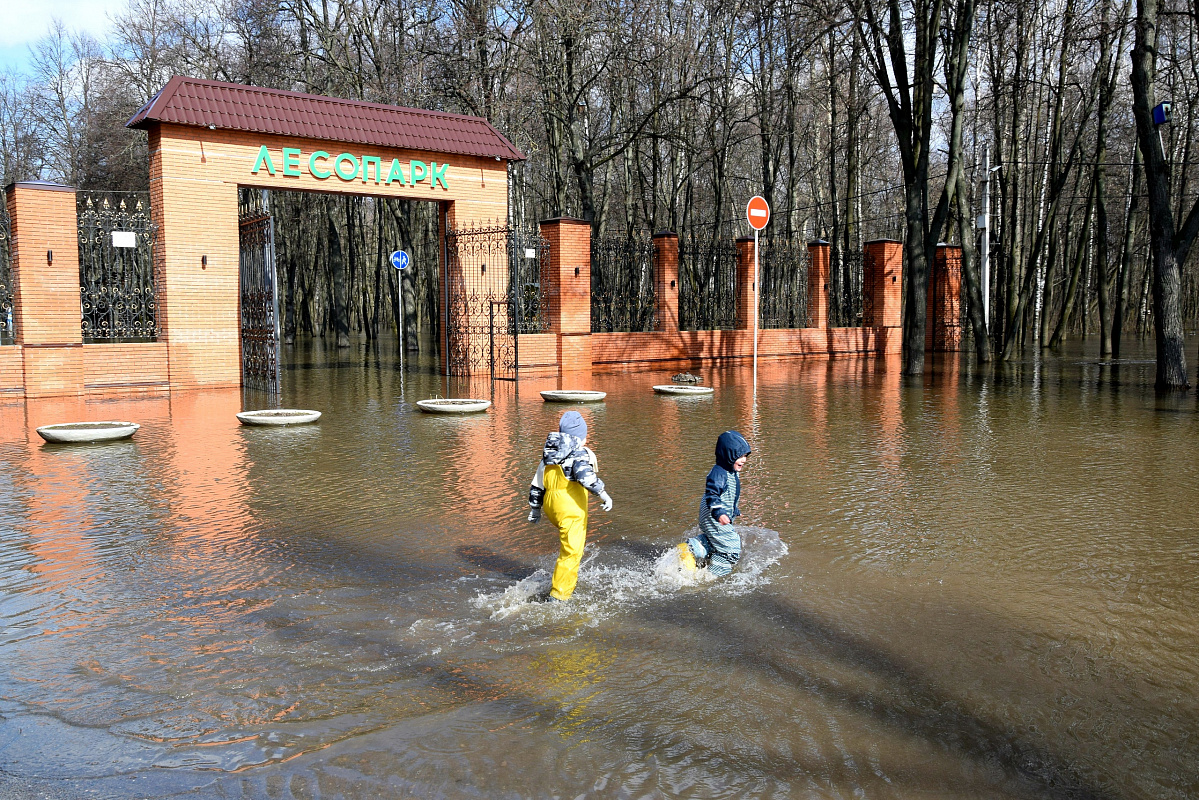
{"type": "Point", "coordinates": [757, 212]}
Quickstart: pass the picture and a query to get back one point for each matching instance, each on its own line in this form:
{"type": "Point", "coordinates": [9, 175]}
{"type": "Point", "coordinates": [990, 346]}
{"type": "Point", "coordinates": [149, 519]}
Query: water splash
{"type": "Point", "coordinates": [611, 581]}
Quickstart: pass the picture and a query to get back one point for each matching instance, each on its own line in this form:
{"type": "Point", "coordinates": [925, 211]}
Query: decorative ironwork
{"type": "Point", "coordinates": [116, 267]}
{"type": "Point", "coordinates": [7, 331]}
{"type": "Point", "coordinates": [783, 273]}
{"type": "Point", "coordinates": [259, 293]}
{"type": "Point", "coordinates": [494, 292]}
{"type": "Point", "coordinates": [623, 293]}
{"type": "Point", "coordinates": [707, 284]}
{"type": "Point", "coordinates": [845, 289]}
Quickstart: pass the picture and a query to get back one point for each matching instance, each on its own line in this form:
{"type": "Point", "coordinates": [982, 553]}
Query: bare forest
{"type": "Point", "coordinates": [857, 119]}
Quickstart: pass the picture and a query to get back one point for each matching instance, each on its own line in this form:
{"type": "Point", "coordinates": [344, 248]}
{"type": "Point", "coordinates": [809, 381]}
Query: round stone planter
{"type": "Point", "coordinates": [682, 390]}
{"type": "Point", "coordinates": [453, 405]}
{"type": "Point", "coordinates": [75, 432]}
{"type": "Point", "coordinates": [572, 396]}
{"type": "Point", "coordinates": [279, 416]}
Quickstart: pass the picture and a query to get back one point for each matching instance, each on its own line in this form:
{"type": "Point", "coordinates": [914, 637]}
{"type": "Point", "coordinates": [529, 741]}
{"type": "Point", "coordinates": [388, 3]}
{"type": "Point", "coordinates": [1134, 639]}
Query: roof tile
{"type": "Point", "coordinates": [235, 106]}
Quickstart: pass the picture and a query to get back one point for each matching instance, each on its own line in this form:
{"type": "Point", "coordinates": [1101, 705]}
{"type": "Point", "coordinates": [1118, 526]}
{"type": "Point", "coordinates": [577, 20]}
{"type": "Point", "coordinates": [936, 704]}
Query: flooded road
{"type": "Point", "coordinates": [968, 587]}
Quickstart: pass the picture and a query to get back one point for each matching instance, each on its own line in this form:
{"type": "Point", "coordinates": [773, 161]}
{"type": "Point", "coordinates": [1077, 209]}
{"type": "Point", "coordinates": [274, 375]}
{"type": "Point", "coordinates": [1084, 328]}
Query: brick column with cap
{"type": "Point", "coordinates": [666, 280]}
{"type": "Point", "coordinates": [567, 286]}
{"type": "Point", "coordinates": [746, 295]}
{"type": "Point", "coordinates": [882, 283]}
{"type": "Point", "coordinates": [818, 273]}
{"type": "Point", "coordinates": [45, 269]}
{"type": "Point", "coordinates": [944, 328]}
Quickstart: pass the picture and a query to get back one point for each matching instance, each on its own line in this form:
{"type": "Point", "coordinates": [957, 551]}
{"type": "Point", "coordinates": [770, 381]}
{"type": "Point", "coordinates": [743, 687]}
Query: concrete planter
{"type": "Point", "coordinates": [74, 432]}
{"type": "Point", "coordinates": [681, 390]}
{"type": "Point", "coordinates": [279, 416]}
{"type": "Point", "coordinates": [453, 405]}
{"type": "Point", "coordinates": [572, 396]}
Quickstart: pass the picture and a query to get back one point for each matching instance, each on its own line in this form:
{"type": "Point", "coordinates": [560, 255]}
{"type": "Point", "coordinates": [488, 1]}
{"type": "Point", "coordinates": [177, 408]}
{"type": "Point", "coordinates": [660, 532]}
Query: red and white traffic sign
{"type": "Point", "coordinates": [757, 212]}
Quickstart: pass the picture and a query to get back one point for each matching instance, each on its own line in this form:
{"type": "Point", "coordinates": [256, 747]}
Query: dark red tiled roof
{"type": "Point", "coordinates": [237, 107]}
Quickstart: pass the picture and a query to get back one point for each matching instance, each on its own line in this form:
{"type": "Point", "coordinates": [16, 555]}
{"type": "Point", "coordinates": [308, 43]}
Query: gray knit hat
{"type": "Point", "coordinates": [572, 422]}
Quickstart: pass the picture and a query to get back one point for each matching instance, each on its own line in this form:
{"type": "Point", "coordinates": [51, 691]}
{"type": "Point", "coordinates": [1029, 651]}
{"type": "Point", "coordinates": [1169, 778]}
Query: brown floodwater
{"type": "Point", "coordinates": [975, 585]}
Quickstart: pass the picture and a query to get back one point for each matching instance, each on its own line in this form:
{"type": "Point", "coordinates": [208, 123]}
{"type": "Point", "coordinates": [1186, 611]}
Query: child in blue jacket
{"type": "Point", "coordinates": [718, 545]}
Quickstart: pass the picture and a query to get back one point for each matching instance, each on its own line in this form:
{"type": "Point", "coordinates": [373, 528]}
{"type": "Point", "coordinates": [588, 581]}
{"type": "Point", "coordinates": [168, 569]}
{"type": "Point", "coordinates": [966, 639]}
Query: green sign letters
{"type": "Point", "coordinates": [348, 167]}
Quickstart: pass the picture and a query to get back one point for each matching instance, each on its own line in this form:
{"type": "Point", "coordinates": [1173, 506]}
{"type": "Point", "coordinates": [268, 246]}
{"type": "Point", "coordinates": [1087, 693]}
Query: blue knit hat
{"type": "Point", "coordinates": [572, 422]}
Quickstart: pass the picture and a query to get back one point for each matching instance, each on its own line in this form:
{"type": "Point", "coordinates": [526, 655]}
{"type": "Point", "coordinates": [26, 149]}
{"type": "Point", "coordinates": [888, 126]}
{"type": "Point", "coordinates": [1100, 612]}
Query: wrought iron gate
{"type": "Point", "coordinates": [494, 293]}
{"type": "Point", "coordinates": [259, 295]}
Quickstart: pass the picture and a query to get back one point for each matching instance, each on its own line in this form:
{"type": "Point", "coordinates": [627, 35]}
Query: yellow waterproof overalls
{"type": "Point", "coordinates": [566, 506]}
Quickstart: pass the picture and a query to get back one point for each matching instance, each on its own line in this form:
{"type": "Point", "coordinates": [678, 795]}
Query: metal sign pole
{"type": "Point", "coordinates": [756, 296]}
{"type": "Point", "coordinates": [757, 214]}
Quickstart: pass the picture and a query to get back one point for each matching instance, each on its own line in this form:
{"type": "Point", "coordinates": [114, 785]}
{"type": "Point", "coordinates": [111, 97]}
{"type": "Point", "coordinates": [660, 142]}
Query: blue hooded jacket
{"type": "Point", "coordinates": [730, 446]}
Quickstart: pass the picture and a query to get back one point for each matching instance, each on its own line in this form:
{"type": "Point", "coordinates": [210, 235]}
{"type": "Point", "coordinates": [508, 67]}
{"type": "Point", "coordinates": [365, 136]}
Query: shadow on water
{"type": "Point", "coordinates": [488, 559]}
{"type": "Point", "coordinates": [909, 702]}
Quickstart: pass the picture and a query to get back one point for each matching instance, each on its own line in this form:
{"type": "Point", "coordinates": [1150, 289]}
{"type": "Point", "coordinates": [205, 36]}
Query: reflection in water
{"type": "Point", "coordinates": [980, 584]}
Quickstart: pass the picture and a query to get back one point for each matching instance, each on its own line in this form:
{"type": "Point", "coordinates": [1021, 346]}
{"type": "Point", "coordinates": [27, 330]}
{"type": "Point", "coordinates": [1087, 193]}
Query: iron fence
{"type": "Point", "coordinates": [258, 292]}
{"type": "Point", "coordinates": [116, 267]}
{"type": "Point", "coordinates": [528, 257]}
{"type": "Point", "coordinates": [846, 271]}
{"type": "Point", "coordinates": [7, 331]}
{"type": "Point", "coordinates": [707, 284]}
{"type": "Point", "coordinates": [623, 293]}
{"type": "Point", "coordinates": [494, 293]}
{"type": "Point", "coordinates": [783, 272]}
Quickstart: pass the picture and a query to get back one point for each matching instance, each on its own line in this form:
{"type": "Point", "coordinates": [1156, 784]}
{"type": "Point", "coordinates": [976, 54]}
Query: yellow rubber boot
{"type": "Point", "coordinates": [686, 556]}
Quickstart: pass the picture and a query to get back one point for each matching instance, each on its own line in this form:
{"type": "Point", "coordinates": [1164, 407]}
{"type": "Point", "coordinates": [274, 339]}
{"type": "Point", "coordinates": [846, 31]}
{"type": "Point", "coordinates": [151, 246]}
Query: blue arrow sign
{"type": "Point", "coordinates": [399, 259]}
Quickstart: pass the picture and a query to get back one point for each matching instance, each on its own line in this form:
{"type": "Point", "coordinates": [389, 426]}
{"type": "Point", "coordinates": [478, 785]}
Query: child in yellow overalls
{"type": "Point", "coordinates": [564, 476]}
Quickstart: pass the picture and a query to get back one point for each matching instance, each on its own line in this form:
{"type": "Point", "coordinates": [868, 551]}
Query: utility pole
{"type": "Point", "coordinates": [985, 251]}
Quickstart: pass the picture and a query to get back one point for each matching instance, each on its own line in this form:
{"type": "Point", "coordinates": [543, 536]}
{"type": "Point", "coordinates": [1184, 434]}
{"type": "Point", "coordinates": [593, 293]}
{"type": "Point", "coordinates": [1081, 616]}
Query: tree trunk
{"type": "Point", "coordinates": [1167, 310]}
{"type": "Point", "coordinates": [1125, 274]}
{"type": "Point", "coordinates": [974, 294]}
{"type": "Point", "coordinates": [337, 265]}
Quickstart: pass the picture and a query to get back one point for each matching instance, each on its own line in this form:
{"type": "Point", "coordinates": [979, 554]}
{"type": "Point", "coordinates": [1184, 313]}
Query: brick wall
{"type": "Point", "coordinates": [818, 274]}
{"type": "Point", "coordinates": [882, 283]}
{"type": "Point", "coordinates": [666, 279]}
{"type": "Point", "coordinates": [134, 368]}
{"type": "Point", "coordinates": [45, 267]}
{"type": "Point", "coordinates": [614, 352]}
{"type": "Point", "coordinates": [747, 296]}
{"type": "Point", "coordinates": [944, 329]}
{"type": "Point", "coordinates": [567, 283]}
{"type": "Point", "coordinates": [12, 372]}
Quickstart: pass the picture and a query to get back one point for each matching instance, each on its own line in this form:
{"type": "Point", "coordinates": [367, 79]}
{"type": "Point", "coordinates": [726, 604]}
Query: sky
{"type": "Point", "coordinates": [26, 21]}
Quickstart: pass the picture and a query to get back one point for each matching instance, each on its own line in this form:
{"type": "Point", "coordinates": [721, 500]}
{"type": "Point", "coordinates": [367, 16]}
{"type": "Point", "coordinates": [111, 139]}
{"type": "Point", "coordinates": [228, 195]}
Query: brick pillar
{"type": "Point", "coordinates": [818, 269]}
{"type": "Point", "coordinates": [666, 279]}
{"type": "Point", "coordinates": [944, 328]}
{"type": "Point", "coordinates": [882, 289]}
{"type": "Point", "coordinates": [568, 288]}
{"type": "Point", "coordinates": [196, 268]}
{"type": "Point", "coordinates": [746, 290]}
{"type": "Point", "coordinates": [45, 266]}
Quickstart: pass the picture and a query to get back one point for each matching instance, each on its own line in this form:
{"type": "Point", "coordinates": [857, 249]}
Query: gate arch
{"type": "Point", "coordinates": [209, 139]}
